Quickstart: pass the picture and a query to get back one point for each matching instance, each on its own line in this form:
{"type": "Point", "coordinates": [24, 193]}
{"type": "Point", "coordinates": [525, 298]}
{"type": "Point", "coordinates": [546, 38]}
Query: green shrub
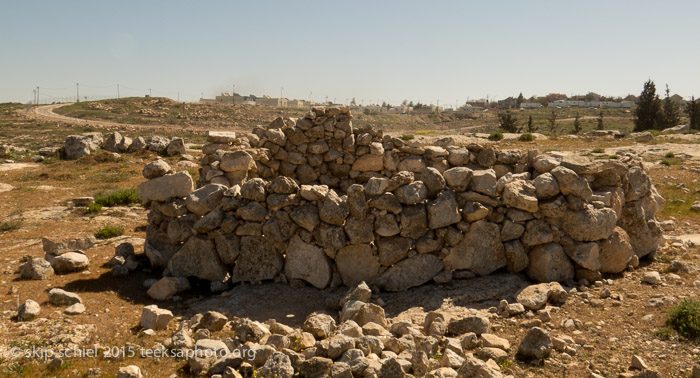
{"type": "Point", "coordinates": [685, 318]}
{"type": "Point", "coordinates": [10, 226]}
{"type": "Point", "coordinates": [92, 209]}
{"type": "Point", "coordinates": [665, 162]}
{"type": "Point", "coordinates": [527, 137]}
{"type": "Point", "coordinates": [124, 197]}
{"type": "Point", "coordinates": [598, 150]}
{"type": "Point", "coordinates": [108, 231]}
{"type": "Point", "coordinates": [614, 157]}
{"type": "Point", "coordinates": [407, 136]}
{"type": "Point", "coordinates": [670, 155]}
{"type": "Point", "coordinates": [496, 135]}
{"type": "Point", "coordinates": [426, 132]}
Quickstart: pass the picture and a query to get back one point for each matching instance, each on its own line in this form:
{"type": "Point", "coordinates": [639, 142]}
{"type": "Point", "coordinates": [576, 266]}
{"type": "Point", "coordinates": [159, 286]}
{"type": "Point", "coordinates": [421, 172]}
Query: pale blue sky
{"type": "Point", "coordinates": [379, 50]}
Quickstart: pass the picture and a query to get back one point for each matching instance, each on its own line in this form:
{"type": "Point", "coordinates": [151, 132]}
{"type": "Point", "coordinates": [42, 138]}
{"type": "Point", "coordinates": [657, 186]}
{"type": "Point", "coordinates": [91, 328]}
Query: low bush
{"type": "Point", "coordinates": [109, 231]}
{"type": "Point", "coordinates": [496, 135]}
{"type": "Point", "coordinates": [123, 197]}
{"type": "Point", "coordinates": [685, 318]}
{"type": "Point", "coordinates": [527, 137]}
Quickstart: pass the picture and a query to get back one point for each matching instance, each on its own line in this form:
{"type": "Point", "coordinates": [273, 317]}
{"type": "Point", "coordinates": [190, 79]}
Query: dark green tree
{"type": "Point", "coordinates": [519, 100]}
{"type": "Point", "coordinates": [601, 125]}
{"type": "Point", "coordinates": [577, 123]}
{"type": "Point", "coordinates": [648, 114]}
{"type": "Point", "coordinates": [692, 107]}
{"type": "Point", "coordinates": [531, 128]}
{"type": "Point", "coordinates": [553, 121]}
{"type": "Point", "coordinates": [508, 123]}
{"type": "Point", "coordinates": [672, 113]}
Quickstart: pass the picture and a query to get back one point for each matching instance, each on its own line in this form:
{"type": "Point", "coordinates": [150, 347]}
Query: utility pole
{"type": "Point", "coordinates": [77, 92]}
{"type": "Point", "coordinates": [280, 101]}
{"type": "Point", "coordinates": [37, 96]}
{"type": "Point", "coordinates": [178, 96]}
{"type": "Point", "coordinates": [117, 91]}
{"type": "Point", "coordinates": [233, 94]}
{"type": "Point", "coordinates": [34, 94]}
{"type": "Point", "coordinates": [310, 93]}
{"type": "Point", "coordinates": [150, 94]}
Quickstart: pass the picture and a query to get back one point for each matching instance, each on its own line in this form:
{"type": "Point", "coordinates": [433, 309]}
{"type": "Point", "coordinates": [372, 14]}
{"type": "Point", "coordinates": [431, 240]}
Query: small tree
{"type": "Point", "coordinates": [508, 123]}
{"type": "Point", "coordinates": [601, 126]}
{"type": "Point", "coordinates": [553, 121]}
{"type": "Point", "coordinates": [648, 114]}
{"type": "Point", "coordinates": [672, 114]}
{"type": "Point", "coordinates": [693, 109]}
{"type": "Point", "coordinates": [577, 123]}
{"type": "Point", "coordinates": [519, 100]}
{"type": "Point", "coordinates": [530, 125]}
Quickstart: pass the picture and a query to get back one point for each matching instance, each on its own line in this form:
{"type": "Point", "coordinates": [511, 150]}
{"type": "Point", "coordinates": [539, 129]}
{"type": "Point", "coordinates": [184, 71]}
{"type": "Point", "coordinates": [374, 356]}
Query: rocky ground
{"type": "Point", "coordinates": [611, 327]}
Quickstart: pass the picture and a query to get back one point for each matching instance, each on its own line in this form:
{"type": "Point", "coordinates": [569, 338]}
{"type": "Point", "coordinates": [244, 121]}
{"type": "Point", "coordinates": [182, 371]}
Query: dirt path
{"type": "Point", "coordinates": [46, 113]}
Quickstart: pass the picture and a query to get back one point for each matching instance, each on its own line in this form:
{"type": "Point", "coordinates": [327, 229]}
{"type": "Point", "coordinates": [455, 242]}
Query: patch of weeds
{"type": "Point", "coordinates": [123, 197]}
{"type": "Point", "coordinates": [505, 364]}
{"type": "Point", "coordinates": [685, 318]}
{"type": "Point", "coordinates": [109, 231]}
{"type": "Point", "coordinates": [496, 136]}
{"type": "Point", "coordinates": [92, 209]}
{"type": "Point", "coordinates": [436, 356]}
{"type": "Point", "coordinates": [665, 162]}
{"type": "Point", "coordinates": [8, 226]}
{"type": "Point", "coordinates": [613, 157]}
{"type": "Point", "coordinates": [670, 155]}
{"type": "Point", "coordinates": [196, 147]}
{"type": "Point", "coordinates": [408, 136]}
{"type": "Point", "coordinates": [527, 137]}
{"type": "Point", "coordinates": [598, 150]}
{"type": "Point", "coordinates": [426, 132]}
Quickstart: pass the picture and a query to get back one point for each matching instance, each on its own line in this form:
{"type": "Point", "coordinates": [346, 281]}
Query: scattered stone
{"type": "Point", "coordinates": [59, 297]}
{"type": "Point", "coordinates": [155, 318]}
{"type": "Point", "coordinates": [536, 345]}
{"type": "Point", "coordinates": [75, 309]}
{"type": "Point", "coordinates": [28, 310]}
{"type": "Point", "coordinates": [36, 269]}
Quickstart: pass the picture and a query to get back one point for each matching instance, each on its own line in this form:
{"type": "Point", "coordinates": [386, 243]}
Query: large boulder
{"type": "Point", "coordinates": [536, 345]}
{"type": "Point", "coordinates": [205, 199]}
{"type": "Point", "coordinates": [443, 211]}
{"type": "Point", "coordinates": [176, 147]}
{"type": "Point", "coordinates": [307, 262]}
{"type": "Point", "coordinates": [410, 272]}
{"type": "Point", "coordinates": [549, 262]}
{"type": "Point", "coordinates": [520, 195]}
{"type": "Point", "coordinates": [258, 260]}
{"type": "Point", "coordinates": [644, 232]}
{"type": "Point", "coordinates": [155, 318]}
{"type": "Point", "coordinates": [615, 252]}
{"type": "Point", "coordinates": [480, 250]}
{"type": "Point", "coordinates": [589, 224]}
{"type": "Point", "coordinates": [166, 187]}
{"type": "Point", "coordinates": [357, 263]}
{"type": "Point", "coordinates": [198, 258]}
{"type": "Point", "coordinates": [458, 178]}
{"type": "Point", "coordinates": [571, 183]}
{"type": "Point", "coordinates": [36, 269]}
{"type": "Point", "coordinates": [237, 161]}
{"type": "Point", "coordinates": [484, 182]}
{"type": "Point", "coordinates": [534, 297]}
{"type": "Point", "coordinates": [68, 262]}
{"type": "Point", "coordinates": [77, 146]}
{"type": "Point", "coordinates": [156, 168]}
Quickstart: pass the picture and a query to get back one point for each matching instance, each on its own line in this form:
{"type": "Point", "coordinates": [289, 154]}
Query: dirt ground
{"type": "Point", "coordinates": [609, 333]}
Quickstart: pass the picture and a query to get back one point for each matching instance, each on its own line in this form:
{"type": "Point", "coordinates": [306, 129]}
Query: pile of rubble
{"type": "Point", "coordinates": [361, 341]}
{"type": "Point", "coordinates": [315, 200]}
{"type": "Point", "coordinates": [77, 146]}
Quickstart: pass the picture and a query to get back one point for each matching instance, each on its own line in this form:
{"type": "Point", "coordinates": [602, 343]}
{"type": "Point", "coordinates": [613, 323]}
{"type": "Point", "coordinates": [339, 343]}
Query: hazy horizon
{"type": "Point", "coordinates": [448, 52]}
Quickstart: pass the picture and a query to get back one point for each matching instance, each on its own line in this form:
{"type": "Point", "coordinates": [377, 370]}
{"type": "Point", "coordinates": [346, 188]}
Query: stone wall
{"type": "Point", "coordinates": [316, 200]}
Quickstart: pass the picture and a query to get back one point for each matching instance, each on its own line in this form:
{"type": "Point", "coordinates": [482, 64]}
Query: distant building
{"type": "Point", "coordinates": [227, 98]}
{"type": "Point", "coordinates": [530, 105]}
{"type": "Point", "coordinates": [590, 104]}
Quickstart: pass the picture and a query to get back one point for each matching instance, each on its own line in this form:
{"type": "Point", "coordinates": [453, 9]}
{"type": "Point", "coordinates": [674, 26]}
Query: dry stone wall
{"type": "Point", "coordinates": [317, 200]}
